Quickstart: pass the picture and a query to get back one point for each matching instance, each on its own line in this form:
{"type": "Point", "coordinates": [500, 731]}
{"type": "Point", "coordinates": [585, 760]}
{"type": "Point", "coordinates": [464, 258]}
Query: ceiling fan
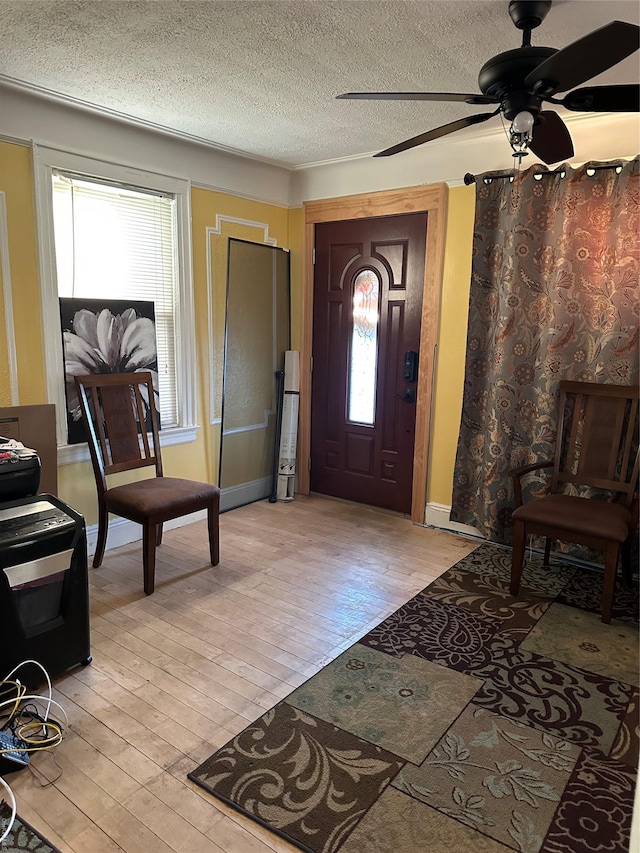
{"type": "Point", "coordinates": [520, 81]}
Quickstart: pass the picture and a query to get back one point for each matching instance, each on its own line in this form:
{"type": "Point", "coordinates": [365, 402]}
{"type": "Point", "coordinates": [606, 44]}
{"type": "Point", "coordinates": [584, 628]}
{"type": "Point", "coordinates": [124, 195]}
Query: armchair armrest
{"type": "Point", "coordinates": [517, 473]}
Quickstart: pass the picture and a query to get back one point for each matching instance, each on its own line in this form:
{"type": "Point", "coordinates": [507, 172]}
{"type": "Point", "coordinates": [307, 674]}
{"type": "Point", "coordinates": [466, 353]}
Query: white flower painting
{"type": "Point", "coordinates": [105, 336]}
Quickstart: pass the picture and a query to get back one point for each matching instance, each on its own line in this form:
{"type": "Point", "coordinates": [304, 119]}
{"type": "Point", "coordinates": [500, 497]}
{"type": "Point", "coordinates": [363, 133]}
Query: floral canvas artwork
{"type": "Point", "coordinates": [105, 336]}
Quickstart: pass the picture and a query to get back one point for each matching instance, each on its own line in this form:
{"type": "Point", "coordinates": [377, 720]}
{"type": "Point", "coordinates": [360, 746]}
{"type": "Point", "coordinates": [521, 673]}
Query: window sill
{"type": "Point", "coordinates": [68, 454]}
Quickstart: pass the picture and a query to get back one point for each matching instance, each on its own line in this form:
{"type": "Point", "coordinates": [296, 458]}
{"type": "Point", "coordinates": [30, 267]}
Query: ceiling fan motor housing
{"type": "Point", "coordinates": [528, 14]}
{"type": "Point", "coordinates": [503, 77]}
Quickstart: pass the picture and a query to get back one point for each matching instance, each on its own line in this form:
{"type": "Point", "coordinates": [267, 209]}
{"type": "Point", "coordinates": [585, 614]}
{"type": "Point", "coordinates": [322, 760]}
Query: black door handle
{"type": "Point", "coordinates": [409, 395]}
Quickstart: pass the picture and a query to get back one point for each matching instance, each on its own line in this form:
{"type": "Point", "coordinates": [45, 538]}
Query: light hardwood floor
{"type": "Point", "coordinates": [176, 674]}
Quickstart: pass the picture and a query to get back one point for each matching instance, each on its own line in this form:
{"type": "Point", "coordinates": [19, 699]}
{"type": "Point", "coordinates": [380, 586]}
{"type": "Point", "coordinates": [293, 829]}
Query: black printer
{"type": "Point", "coordinates": [19, 470]}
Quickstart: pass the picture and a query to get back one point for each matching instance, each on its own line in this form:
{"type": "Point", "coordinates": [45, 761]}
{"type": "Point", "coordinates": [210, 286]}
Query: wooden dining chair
{"type": "Point", "coordinates": [596, 448]}
{"type": "Point", "coordinates": [121, 423]}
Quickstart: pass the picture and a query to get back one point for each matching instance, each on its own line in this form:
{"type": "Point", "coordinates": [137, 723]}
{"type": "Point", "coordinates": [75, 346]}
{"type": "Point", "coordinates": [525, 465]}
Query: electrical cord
{"type": "Point", "coordinates": [35, 744]}
{"type": "Point", "coordinates": [38, 775]}
{"type": "Point", "coordinates": [20, 691]}
{"type": "Point", "coordinates": [35, 697]}
{"type": "Point", "coordinates": [34, 732]}
{"type": "Point", "coordinates": [46, 675]}
{"type": "Point", "coordinates": [14, 809]}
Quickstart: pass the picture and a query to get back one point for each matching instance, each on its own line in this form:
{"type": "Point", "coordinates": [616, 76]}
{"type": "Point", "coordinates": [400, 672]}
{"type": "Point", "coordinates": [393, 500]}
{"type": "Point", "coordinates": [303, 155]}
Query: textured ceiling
{"type": "Point", "coordinates": [261, 76]}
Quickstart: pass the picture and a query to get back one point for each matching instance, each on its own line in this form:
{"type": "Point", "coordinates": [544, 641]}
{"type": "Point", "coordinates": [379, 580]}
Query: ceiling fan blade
{"type": "Point", "coordinates": [604, 99]}
{"type": "Point", "coordinates": [436, 133]}
{"type": "Point", "coordinates": [418, 96]}
{"type": "Point", "coordinates": [551, 140]}
{"type": "Point", "coordinates": [585, 58]}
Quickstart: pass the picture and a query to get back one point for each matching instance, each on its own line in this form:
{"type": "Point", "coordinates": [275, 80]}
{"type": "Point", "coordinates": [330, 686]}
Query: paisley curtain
{"type": "Point", "coordinates": [554, 295]}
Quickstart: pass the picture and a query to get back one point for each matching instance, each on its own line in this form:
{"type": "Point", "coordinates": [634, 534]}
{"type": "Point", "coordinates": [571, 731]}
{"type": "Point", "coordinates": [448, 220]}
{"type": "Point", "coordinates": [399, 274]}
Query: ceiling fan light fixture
{"type": "Point", "coordinates": [522, 123]}
{"type": "Point", "coordinates": [520, 134]}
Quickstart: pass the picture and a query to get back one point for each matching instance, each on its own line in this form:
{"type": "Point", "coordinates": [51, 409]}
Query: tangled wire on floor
{"type": "Point", "coordinates": [26, 727]}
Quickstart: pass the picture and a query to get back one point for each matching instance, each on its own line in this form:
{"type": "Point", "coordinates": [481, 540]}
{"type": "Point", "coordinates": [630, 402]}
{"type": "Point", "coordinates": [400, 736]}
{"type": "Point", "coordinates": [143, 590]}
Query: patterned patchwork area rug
{"type": "Point", "coordinates": [23, 838]}
{"type": "Point", "coordinates": [469, 721]}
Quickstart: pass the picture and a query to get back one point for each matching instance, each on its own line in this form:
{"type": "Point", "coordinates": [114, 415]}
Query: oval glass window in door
{"type": "Point", "coordinates": [363, 356]}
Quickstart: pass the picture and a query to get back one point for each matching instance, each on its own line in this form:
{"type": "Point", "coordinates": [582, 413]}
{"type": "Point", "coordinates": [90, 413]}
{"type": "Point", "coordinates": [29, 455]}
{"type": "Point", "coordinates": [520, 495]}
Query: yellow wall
{"type": "Point", "coordinates": [16, 181]}
{"type": "Point", "coordinates": [452, 338]}
{"type": "Point", "coordinates": [219, 212]}
{"type": "Point", "coordinates": [198, 459]}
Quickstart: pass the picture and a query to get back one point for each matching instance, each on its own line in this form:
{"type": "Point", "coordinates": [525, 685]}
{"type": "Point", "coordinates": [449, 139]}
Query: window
{"type": "Point", "coordinates": [119, 242]}
{"type": "Point", "coordinates": [363, 367]}
{"type": "Point", "coordinates": [118, 233]}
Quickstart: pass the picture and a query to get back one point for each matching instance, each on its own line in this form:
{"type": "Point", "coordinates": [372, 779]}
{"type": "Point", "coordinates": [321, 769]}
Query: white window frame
{"type": "Point", "coordinates": [46, 160]}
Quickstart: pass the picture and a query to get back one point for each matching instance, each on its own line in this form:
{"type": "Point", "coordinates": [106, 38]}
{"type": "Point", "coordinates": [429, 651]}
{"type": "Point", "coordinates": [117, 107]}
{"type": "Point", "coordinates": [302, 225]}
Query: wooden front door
{"type": "Point", "coordinates": [368, 285]}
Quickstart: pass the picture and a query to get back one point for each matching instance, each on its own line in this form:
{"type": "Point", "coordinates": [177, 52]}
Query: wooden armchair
{"type": "Point", "coordinates": [596, 446]}
{"type": "Point", "coordinates": [113, 408]}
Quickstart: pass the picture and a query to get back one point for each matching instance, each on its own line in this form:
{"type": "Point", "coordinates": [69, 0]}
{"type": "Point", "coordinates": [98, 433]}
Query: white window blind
{"type": "Point", "coordinates": [119, 242]}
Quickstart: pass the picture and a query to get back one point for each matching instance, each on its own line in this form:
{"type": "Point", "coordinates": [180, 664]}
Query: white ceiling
{"type": "Point", "coordinates": [261, 76]}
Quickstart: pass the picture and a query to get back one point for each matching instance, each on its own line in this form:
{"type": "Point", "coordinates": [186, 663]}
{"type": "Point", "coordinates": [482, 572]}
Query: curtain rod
{"type": "Point", "coordinates": [471, 179]}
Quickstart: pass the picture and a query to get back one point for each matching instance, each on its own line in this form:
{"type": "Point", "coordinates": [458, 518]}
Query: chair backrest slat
{"type": "Point", "coordinates": [630, 436]}
{"type": "Point", "coordinates": [597, 441]}
{"type": "Point", "coordinates": [99, 425]}
{"type": "Point", "coordinates": [117, 410]}
{"type": "Point", "coordinates": [141, 419]}
{"type": "Point", "coordinates": [121, 426]}
{"type": "Point", "coordinates": [574, 423]}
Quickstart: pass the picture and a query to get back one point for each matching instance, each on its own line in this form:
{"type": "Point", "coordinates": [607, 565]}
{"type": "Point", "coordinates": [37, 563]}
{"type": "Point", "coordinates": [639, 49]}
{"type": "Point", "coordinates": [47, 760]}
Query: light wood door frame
{"type": "Point", "coordinates": [432, 200]}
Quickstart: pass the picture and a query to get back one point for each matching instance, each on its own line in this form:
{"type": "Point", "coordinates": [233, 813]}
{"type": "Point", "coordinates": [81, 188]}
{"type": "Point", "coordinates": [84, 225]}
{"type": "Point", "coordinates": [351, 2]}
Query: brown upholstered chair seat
{"type": "Point", "coordinates": [580, 515]}
{"type": "Point", "coordinates": [161, 497]}
{"type": "Point", "coordinates": [121, 420]}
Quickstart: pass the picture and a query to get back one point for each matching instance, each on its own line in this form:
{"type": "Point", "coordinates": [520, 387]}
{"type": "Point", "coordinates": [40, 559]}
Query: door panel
{"type": "Point", "coordinates": [368, 460]}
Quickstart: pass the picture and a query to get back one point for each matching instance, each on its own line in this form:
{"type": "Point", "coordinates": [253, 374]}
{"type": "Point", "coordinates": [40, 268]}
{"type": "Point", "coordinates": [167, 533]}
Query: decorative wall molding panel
{"type": "Point", "coordinates": [5, 268]}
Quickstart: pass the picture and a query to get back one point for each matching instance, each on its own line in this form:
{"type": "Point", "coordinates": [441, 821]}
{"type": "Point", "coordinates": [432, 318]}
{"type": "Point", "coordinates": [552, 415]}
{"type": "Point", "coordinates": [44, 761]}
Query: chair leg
{"type": "Point", "coordinates": [213, 512]}
{"type": "Point", "coordinates": [517, 557]}
{"type": "Point", "coordinates": [547, 551]}
{"type": "Point", "coordinates": [159, 534]}
{"type": "Point", "coordinates": [149, 557]}
{"type": "Point", "coordinates": [103, 523]}
{"type": "Point", "coordinates": [627, 566]}
{"type": "Point", "coordinates": [612, 555]}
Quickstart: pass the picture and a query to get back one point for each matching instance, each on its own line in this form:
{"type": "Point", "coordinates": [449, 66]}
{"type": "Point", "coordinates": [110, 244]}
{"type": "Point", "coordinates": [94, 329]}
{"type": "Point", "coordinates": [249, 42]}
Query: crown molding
{"type": "Point", "coordinates": [107, 112]}
{"type": "Point", "coordinates": [481, 134]}
{"type": "Point", "coordinates": [484, 134]}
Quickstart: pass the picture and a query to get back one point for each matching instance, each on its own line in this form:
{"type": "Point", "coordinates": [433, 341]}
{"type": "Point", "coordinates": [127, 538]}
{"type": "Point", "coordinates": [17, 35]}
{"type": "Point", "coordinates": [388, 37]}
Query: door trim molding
{"type": "Point", "coordinates": [431, 199]}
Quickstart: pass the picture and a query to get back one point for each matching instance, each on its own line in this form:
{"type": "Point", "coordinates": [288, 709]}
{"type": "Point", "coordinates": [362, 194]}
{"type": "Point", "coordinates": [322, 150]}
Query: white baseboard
{"type": "Point", "coordinates": [245, 493]}
{"type": "Point", "coordinates": [122, 531]}
{"type": "Point", "coordinates": [437, 515]}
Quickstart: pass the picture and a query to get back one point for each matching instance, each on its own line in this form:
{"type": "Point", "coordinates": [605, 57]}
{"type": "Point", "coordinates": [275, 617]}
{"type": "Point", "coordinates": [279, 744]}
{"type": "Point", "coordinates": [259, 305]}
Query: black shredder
{"type": "Point", "coordinates": [44, 596]}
